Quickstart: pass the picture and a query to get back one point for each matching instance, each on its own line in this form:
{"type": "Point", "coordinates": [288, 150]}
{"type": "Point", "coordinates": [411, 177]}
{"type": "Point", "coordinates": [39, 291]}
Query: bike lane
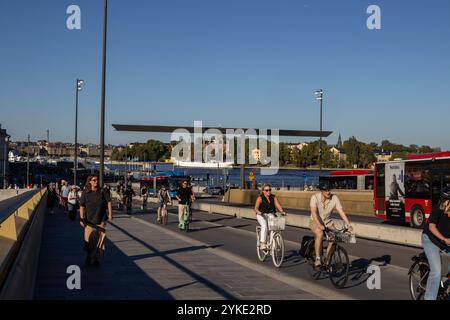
{"type": "Point", "coordinates": [237, 237]}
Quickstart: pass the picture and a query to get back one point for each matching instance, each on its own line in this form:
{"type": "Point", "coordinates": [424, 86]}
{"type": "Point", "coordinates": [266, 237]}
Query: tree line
{"type": "Point", "coordinates": [357, 153]}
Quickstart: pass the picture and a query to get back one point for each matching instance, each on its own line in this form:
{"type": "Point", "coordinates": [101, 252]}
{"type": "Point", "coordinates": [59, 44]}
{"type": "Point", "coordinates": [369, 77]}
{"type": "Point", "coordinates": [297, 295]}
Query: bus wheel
{"type": "Point", "coordinates": [418, 218]}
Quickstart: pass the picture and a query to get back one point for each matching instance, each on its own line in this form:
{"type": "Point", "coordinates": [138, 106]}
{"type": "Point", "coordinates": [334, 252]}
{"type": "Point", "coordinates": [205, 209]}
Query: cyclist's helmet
{"type": "Point", "coordinates": [324, 186]}
{"type": "Point", "coordinates": [445, 193]}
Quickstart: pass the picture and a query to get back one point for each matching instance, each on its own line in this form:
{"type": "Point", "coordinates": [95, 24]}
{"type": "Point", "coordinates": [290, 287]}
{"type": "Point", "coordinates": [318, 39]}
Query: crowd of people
{"type": "Point", "coordinates": [95, 209]}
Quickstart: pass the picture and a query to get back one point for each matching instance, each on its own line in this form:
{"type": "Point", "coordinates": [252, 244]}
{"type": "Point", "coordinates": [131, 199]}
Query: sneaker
{"type": "Point", "coordinates": [317, 263]}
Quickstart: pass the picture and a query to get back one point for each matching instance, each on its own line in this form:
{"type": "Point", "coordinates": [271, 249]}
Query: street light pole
{"type": "Point", "coordinates": [28, 162]}
{"type": "Point", "coordinates": [102, 121]}
{"type": "Point", "coordinates": [4, 161]}
{"type": "Point", "coordinates": [319, 97]}
{"type": "Point", "coordinates": [78, 86]}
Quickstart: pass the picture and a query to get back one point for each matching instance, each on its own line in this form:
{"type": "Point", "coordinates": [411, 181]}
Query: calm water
{"type": "Point", "coordinates": [295, 178]}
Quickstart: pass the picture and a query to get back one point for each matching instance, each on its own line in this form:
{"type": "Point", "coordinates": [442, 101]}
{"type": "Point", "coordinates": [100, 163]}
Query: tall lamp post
{"type": "Point", "coordinates": [102, 116]}
{"type": "Point", "coordinates": [78, 87]}
{"type": "Point", "coordinates": [4, 160]}
{"type": "Point", "coordinates": [319, 96]}
{"type": "Point", "coordinates": [28, 162]}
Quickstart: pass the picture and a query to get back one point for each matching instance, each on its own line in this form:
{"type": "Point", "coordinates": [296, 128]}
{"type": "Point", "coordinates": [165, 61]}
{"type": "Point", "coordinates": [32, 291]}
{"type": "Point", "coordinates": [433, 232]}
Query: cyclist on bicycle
{"type": "Point", "coordinates": [144, 196]}
{"type": "Point", "coordinates": [436, 237]}
{"type": "Point", "coordinates": [164, 199]}
{"type": "Point", "coordinates": [322, 205]}
{"type": "Point", "coordinates": [266, 205]}
{"type": "Point", "coordinates": [184, 195]}
{"type": "Point", "coordinates": [128, 196]}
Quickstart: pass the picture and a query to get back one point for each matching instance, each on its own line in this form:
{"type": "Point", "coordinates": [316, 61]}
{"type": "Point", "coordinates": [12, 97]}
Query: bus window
{"type": "Point", "coordinates": [380, 180]}
{"type": "Point", "coordinates": [368, 183]}
{"type": "Point", "coordinates": [417, 181]}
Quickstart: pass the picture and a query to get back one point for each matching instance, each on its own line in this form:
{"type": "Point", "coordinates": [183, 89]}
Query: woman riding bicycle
{"type": "Point", "coordinates": [436, 237]}
{"type": "Point", "coordinates": [164, 199]}
{"type": "Point", "coordinates": [266, 205]}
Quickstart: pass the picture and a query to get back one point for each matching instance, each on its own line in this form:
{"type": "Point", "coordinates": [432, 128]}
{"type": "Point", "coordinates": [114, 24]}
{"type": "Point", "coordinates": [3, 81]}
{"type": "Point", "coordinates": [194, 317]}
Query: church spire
{"type": "Point", "coordinates": [339, 142]}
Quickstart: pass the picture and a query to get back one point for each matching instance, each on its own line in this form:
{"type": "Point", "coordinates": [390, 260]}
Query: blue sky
{"type": "Point", "coordinates": [235, 63]}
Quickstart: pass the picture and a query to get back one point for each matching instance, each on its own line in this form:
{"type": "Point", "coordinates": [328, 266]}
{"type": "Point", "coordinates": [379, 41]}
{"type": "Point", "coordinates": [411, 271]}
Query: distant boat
{"type": "Point", "coordinates": [210, 165]}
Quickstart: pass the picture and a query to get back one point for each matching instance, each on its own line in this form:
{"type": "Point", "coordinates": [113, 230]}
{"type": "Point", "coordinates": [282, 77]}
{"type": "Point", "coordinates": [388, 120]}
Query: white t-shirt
{"type": "Point", "coordinates": [65, 191]}
{"type": "Point", "coordinates": [325, 208]}
{"type": "Point", "coordinates": [72, 197]}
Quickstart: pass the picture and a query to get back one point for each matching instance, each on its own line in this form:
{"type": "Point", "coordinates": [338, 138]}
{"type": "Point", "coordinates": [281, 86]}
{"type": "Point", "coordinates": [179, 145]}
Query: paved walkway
{"type": "Point", "coordinates": [145, 261]}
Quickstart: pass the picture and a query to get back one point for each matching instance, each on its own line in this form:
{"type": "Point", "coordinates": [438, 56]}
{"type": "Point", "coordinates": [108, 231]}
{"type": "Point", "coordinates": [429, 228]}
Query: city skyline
{"type": "Point", "coordinates": [229, 63]}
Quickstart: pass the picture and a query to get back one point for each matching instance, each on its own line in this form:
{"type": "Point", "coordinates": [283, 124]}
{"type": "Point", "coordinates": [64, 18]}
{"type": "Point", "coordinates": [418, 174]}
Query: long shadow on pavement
{"type": "Point", "coordinates": [178, 265]}
{"type": "Point", "coordinates": [118, 277]}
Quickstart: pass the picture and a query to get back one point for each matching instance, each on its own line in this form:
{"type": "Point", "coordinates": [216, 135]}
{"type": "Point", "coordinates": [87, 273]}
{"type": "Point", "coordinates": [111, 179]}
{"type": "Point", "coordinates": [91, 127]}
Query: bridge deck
{"type": "Point", "coordinates": [147, 261]}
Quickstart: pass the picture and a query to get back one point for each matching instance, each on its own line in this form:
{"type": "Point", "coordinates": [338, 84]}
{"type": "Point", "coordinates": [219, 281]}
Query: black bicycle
{"type": "Point", "coordinates": [335, 261]}
{"type": "Point", "coordinates": [418, 276]}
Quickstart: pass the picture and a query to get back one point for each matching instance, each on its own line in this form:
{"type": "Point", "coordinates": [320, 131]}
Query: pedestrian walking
{"type": "Point", "coordinates": [52, 197]}
{"type": "Point", "coordinates": [95, 210]}
{"type": "Point", "coordinates": [73, 202]}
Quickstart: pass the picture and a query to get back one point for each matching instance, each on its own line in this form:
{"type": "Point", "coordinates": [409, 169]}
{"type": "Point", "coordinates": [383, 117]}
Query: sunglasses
{"type": "Point", "coordinates": [267, 190]}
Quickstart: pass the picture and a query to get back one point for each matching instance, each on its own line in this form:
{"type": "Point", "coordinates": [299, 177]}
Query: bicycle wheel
{"type": "Point", "coordinates": [277, 249]}
{"type": "Point", "coordinates": [186, 219]}
{"type": "Point", "coordinates": [310, 255]}
{"type": "Point", "coordinates": [418, 275]}
{"type": "Point", "coordinates": [164, 215]}
{"type": "Point", "coordinates": [261, 253]}
{"type": "Point", "coordinates": [338, 266]}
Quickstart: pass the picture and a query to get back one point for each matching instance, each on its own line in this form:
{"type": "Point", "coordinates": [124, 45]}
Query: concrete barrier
{"type": "Point", "coordinates": [355, 202]}
{"type": "Point", "coordinates": [391, 234]}
{"type": "Point", "coordinates": [19, 277]}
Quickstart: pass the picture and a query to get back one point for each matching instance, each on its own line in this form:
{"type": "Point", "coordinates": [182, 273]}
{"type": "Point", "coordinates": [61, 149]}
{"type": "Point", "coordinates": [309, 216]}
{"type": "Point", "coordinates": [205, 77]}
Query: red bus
{"type": "Point", "coordinates": [406, 190]}
{"type": "Point", "coordinates": [353, 179]}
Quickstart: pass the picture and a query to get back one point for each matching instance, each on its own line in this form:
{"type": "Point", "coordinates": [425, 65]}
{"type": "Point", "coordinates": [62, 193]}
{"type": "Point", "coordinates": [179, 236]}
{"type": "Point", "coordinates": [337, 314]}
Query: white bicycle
{"type": "Point", "coordinates": [275, 246]}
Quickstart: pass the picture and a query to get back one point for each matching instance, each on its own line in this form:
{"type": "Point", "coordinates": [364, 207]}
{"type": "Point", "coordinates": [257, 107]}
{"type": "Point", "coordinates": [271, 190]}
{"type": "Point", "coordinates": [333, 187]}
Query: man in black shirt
{"type": "Point", "coordinates": [184, 196]}
{"type": "Point", "coordinates": [128, 194]}
{"type": "Point", "coordinates": [95, 210]}
{"type": "Point", "coordinates": [436, 237]}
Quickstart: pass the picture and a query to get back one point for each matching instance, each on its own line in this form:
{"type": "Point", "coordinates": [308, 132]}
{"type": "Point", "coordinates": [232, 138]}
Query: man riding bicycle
{"type": "Point", "coordinates": [322, 205]}
{"type": "Point", "coordinates": [184, 195]}
{"type": "Point", "coordinates": [266, 205]}
{"type": "Point", "coordinates": [128, 196]}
